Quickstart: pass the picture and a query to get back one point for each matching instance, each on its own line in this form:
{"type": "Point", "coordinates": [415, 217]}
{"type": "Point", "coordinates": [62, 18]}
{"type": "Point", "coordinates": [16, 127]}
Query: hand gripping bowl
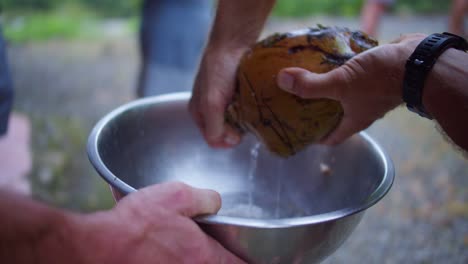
{"type": "Point", "coordinates": [275, 210]}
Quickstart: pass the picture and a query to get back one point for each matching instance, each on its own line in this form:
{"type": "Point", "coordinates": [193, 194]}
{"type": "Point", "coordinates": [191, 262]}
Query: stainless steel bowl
{"type": "Point", "coordinates": [296, 210]}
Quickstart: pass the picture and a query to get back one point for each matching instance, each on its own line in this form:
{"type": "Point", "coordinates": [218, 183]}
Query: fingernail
{"type": "Point", "coordinates": [232, 140]}
{"type": "Point", "coordinates": [285, 81]}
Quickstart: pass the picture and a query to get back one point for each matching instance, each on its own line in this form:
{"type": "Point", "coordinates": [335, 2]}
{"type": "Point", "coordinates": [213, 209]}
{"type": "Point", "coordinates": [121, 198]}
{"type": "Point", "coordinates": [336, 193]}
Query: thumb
{"type": "Point", "coordinates": [182, 198]}
{"type": "Point", "coordinates": [306, 84]}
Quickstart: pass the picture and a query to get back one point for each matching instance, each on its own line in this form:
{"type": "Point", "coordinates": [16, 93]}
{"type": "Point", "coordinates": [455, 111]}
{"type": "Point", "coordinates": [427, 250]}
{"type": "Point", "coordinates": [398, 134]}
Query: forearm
{"type": "Point", "coordinates": [239, 23]}
{"type": "Point", "coordinates": [132, 232]}
{"type": "Point", "coordinates": [445, 92]}
{"type": "Point", "coordinates": [28, 229]}
{"type": "Point", "coordinates": [31, 232]}
{"type": "Point", "coordinates": [446, 95]}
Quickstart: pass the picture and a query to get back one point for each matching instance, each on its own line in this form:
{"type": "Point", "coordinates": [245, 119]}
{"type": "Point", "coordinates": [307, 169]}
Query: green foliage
{"type": "Point", "coordinates": [301, 8]}
{"type": "Point", "coordinates": [65, 22]}
{"type": "Point", "coordinates": [113, 7]}
{"type": "Point", "coordinates": [60, 164]}
{"type": "Point", "coordinates": [30, 4]}
{"type": "Point", "coordinates": [32, 20]}
{"type": "Point", "coordinates": [284, 8]}
{"type": "Point", "coordinates": [102, 7]}
{"type": "Point", "coordinates": [27, 20]}
{"type": "Point", "coordinates": [40, 26]}
{"type": "Point", "coordinates": [423, 6]}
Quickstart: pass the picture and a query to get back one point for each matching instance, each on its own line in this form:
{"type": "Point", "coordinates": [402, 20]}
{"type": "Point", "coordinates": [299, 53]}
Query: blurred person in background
{"type": "Point", "coordinates": [172, 37]}
{"type": "Point", "coordinates": [15, 155]}
{"type": "Point", "coordinates": [373, 10]}
{"type": "Point", "coordinates": [456, 20]}
{"type": "Point", "coordinates": [371, 14]}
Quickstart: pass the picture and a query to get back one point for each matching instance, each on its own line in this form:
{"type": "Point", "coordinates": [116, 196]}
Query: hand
{"type": "Point", "coordinates": [213, 90]}
{"type": "Point", "coordinates": [154, 225]}
{"type": "Point", "coordinates": [236, 27]}
{"type": "Point", "coordinates": [368, 86]}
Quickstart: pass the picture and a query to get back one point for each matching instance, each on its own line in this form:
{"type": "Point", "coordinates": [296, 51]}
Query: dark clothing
{"type": "Point", "coordinates": [172, 37]}
{"type": "Point", "coordinates": [6, 90]}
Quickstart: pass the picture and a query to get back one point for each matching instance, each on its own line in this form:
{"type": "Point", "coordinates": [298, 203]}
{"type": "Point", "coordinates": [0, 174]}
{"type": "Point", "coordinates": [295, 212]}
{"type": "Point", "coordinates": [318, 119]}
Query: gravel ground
{"type": "Point", "coordinates": [66, 86]}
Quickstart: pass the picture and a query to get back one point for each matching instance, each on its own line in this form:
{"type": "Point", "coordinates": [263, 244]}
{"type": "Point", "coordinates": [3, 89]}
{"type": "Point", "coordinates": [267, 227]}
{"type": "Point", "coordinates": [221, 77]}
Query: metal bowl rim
{"type": "Point", "coordinates": [124, 188]}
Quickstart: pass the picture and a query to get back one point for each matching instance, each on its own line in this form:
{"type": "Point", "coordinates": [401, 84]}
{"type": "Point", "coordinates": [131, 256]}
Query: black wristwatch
{"type": "Point", "coordinates": [420, 63]}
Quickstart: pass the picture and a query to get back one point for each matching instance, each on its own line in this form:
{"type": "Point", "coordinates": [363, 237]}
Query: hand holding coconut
{"type": "Point", "coordinates": [236, 26]}
{"type": "Point", "coordinates": [370, 84]}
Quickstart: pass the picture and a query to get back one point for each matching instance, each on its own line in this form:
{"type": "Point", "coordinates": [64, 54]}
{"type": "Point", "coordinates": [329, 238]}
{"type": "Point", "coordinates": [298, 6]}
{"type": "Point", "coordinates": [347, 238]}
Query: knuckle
{"type": "Point", "coordinates": [349, 71]}
{"type": "Point", "coordinates": [348, 74]}
{"type": "Point", "coordinates": [181, 192]}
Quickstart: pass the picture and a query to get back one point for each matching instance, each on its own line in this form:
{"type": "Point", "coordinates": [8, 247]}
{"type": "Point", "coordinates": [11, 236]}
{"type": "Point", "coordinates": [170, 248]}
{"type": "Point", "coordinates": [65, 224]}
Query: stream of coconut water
{"type": "Point", "coordinates": [278, 175]}
{"type": "Point", "coordinates": [251, 207]}
{"type": "Point", "coordinates": [253, 210]}
{"type": "Point", "coordinates": [251, 175]}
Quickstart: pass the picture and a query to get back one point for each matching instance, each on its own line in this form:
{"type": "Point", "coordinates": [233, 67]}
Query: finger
{"type": "Point", "coordinates": [231, 137]}
{"type": "Point", "coordinates": [216, 132]}
{"type": "Point", "coordinates": [306, 84]}
{"type": "Point", "coordinates": [188, 201]}
{"type": "Point", "coordinates": [196, 115]}
{"type": "Point", "coordinates": [344, 130]}
{"type": "Point", "coordinates": [192, 108]}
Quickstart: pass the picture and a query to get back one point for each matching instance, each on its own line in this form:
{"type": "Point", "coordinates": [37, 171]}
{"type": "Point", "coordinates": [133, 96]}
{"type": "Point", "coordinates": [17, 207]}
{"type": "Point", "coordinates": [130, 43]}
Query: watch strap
{"type": "Point", "coordinates": [421, 62]}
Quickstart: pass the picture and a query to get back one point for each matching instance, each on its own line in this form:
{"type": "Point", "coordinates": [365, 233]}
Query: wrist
{"type": "Point", "coordinates": [437, 89]}
{"type": "Point", "coordinates": [238, 23]}
{"type": "Point", "coordinates": [218, 50]}
{"type": "Point", "coordinates": [420, 65]}
{"type": "Point", "coordinates": [91, 237]}
{"type": "Point", "coordinates": [221, 42]}
{"type": "Point", "coordinates": [399, 55]}
{"type": "Point", "coordinates": [55, 243]}
{"type": "Point", "coordinates": [217, 58]}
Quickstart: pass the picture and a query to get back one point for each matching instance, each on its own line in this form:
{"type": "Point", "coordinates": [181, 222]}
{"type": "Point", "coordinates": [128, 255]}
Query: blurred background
{"type": "Point", "coordinates": [72, 61]}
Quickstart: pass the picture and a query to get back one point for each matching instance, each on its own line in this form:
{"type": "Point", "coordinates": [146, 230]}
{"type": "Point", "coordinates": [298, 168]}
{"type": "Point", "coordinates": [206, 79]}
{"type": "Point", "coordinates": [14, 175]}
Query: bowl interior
{"type": "Point", "coordinates": [155, 140]}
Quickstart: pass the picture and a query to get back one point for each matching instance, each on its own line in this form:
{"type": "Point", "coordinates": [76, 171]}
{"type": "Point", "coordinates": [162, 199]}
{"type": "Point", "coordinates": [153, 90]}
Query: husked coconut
{"type": "Point", "coordinates": [286, 123]}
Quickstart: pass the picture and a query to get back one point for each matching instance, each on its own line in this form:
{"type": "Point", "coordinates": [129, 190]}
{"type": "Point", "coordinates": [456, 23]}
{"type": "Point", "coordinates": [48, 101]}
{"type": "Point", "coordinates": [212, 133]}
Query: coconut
{"type": "Point", "coordinates": [284, 122]}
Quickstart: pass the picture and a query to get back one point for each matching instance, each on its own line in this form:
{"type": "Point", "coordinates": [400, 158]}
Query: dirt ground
{"type": "Point", "coordinates": [65, 87]}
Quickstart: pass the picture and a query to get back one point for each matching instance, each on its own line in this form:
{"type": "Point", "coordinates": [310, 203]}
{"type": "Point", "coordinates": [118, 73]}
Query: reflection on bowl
{"type": "Point", "coordinates": [274, 210]}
